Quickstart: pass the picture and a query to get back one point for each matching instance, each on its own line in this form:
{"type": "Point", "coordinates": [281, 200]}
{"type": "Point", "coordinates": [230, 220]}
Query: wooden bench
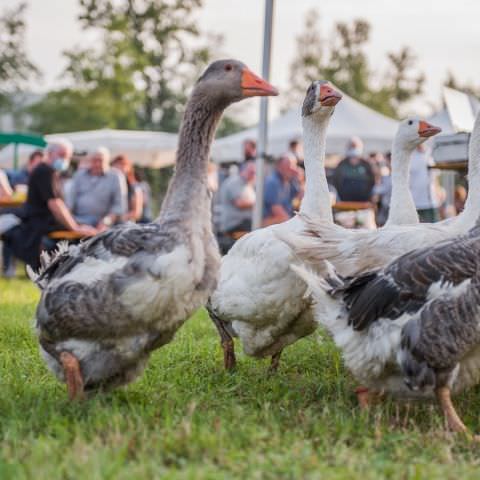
{"type": "Point", "coordinates": [65, 235]}
{"type": "Point", "coordinates": [352, 206]}
{"type": "Point", "coordinates": [11, 202]}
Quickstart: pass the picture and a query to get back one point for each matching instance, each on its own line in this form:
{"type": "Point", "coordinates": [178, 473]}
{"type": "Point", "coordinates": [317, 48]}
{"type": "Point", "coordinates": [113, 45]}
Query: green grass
{"type": "Point", "coordinates": [187, 418]}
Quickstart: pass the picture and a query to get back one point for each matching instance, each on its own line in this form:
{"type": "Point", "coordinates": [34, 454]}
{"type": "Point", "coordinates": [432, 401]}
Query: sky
{"type": "Point", "coordinates": [444, 34]}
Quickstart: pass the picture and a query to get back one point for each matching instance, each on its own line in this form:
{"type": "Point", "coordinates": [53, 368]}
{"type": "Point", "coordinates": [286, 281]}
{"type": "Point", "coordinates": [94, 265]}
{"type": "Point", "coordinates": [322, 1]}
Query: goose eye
{"type": "Point", "coordinates": [228, 67]}
{"type": "Point", "coordinates": [410, 122]}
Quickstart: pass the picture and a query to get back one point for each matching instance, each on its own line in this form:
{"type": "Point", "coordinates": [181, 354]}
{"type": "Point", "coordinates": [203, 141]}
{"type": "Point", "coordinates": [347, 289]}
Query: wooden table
{"type": "Point", "coordinates": [11, 202]}
{"type": "Point", "coordinates": [461, 166]}
{"type": "Point", "coordinates": [352, 206]}
{"type": "Point", "coordinates": [65, 235]}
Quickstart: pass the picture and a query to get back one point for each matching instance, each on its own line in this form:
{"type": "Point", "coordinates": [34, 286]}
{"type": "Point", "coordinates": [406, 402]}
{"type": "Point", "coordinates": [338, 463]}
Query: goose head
{"type": "Point", "coordinates": [320, 99]}
{"type": "Point", "coordinates": [228, 81]}
{"type": "Point", "coordinates": [413, 131]}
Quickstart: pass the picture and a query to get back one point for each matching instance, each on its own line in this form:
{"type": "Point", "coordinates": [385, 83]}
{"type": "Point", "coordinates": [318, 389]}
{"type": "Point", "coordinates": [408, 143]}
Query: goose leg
{"type": "Point", "coordinates": [366, 398]}
{"type": "Point", "coordinates": [453, 420]}
{"type": "Point", "coordinates": [275, 362]}
{"type": "Point", "coordinates": [73, 376]}
{"type": "Point", "coordinates": [226, 341]}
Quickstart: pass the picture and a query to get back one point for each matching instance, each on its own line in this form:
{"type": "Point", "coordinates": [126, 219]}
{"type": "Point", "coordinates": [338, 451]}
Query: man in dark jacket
{"type": "Point", "coordinates": [44, 211]}
{"type": "Point", "coordinates": [354, 178]}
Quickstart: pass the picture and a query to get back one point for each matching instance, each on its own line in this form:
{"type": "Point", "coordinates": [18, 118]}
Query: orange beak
{"type": "Point", "coordinates": [254, 86]}
{"type": "Point", "coordinates": [329, 97]}
{"type": "Point", "coordinates": [425, 129]}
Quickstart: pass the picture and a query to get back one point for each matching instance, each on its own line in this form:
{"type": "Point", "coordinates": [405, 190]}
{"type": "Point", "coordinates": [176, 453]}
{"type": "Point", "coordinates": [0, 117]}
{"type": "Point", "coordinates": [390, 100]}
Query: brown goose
{"type": "Point", "coordinates": [107, 303]}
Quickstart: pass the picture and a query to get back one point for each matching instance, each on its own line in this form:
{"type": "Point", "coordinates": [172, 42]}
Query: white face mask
{"type": "Point", "coordinates": [60, 164]}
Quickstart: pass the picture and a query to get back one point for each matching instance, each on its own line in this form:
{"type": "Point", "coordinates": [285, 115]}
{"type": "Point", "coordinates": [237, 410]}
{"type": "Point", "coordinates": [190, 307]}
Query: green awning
{"type": "Point", "coordinates": [21, 138]}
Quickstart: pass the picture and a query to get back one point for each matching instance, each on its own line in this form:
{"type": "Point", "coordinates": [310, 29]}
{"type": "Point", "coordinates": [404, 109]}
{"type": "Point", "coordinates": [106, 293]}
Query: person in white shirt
{"type": "Point", "coordinates": [422, 185]}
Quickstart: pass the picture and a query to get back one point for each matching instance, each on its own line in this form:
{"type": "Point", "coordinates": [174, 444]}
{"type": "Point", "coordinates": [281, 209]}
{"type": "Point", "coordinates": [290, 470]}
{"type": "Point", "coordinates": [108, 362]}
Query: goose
{"type": "Point", "coordinates": [258, 297]}
{"type": "Point", "coordinates": [108, 302]}
{"type": "Point", "coordinates": [411, 133]}
{"type": "Point", "coordinates": [355, 251]}
{"type": "Point", "coordinates": [412, 328]}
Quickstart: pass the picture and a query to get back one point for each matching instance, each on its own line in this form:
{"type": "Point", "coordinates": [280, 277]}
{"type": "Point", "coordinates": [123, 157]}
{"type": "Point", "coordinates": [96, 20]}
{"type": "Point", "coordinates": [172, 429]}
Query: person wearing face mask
{"type": "Point", "coordinates": [354, 178]}
{"type": "Point", "coordinates": [44, 211]}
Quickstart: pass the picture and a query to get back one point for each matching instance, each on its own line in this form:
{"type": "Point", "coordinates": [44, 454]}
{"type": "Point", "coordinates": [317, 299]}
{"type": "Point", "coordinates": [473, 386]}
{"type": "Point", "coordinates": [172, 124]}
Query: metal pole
{"type": "Point", "coordinates": [263, 125]}
{"type": "Point", "coordinates": [15, 156]}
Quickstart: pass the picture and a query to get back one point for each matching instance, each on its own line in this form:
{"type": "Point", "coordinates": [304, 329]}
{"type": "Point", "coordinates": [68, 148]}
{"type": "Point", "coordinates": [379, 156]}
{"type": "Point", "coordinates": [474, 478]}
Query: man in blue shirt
{"type": "Point", "coordinates": [281, 188]}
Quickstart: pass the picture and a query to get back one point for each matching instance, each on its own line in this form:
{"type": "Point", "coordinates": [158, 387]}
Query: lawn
{"type": "Point", "coordinates": [187, 418]}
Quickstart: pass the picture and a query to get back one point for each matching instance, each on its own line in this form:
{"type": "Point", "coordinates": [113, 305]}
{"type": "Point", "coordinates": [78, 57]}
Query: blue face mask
{"type": "Point", "coordinates": [60, 164]}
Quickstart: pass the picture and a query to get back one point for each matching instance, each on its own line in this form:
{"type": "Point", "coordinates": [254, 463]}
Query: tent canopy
{"type": "Point", "coordinates": [145, 148]}
{"type": "Point", "coordinates": [350, 118]}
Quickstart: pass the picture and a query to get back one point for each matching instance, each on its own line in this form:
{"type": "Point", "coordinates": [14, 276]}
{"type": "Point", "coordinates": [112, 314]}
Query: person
{"type": "Point", "coordinates": [147, 214]}
{"type": "Point", "coordinates": [295, 149]}
{"type": "Point", "coordinates": [354, 178]}
{"type": "Point", "coordinates": [5, 188]}
{"type": "Point", "coordinates": [98, 195]}
{"type": "Point", "coordinates": [13, 216]}
{"type": "Point", "coordinates": [20, 177]}
{"type": "Point", "coordinates": [422, 185]}
{"type": "Point", "coordinates": [44, 210]}
{"type": "Point", "coordinates": [281, 188]}
{"type": "Point", "coordinates": [383, 190]}
{"type": "Point", "coordinates": [134, 193]}
{"type": "Point", "coordinates": [249, 150]}
{"type": "Point", "coordinates": [235, 200]}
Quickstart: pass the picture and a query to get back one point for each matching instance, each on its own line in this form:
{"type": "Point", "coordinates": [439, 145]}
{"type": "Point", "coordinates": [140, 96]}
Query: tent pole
{"type": "Point", "coordinates": [263, 125]}
{"type": "Point", "coordinates": [15, 156]}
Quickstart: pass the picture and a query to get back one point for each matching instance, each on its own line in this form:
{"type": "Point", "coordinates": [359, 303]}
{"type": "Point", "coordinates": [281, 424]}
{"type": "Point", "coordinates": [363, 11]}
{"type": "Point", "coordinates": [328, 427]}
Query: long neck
{"type": "Point", "coordinates": [188, 191]}
{"type": "Point", "coordinates": [316, 199]}
{"type": "Point", "coordinates": [472, 203]}
{"type": "Point", "coordinates": [402, 207]}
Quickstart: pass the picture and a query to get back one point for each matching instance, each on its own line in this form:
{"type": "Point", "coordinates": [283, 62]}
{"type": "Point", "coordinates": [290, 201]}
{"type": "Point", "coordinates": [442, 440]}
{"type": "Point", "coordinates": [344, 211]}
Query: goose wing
{"type": "Point", "coordinates": [408, 282]}
{"type": "Point", "coordinates": [121, 241]}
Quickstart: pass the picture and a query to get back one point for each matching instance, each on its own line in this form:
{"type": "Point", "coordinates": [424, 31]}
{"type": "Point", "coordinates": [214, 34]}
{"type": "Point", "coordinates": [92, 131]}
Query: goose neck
{"type": "Point", "coordinates": [316, 199]}
{"type": "Point", "coordinates": [473, 199]}
{"type": "Point", "coordinates": [402, 206]}
{"type": "Point", "coordinates": [188, 189]}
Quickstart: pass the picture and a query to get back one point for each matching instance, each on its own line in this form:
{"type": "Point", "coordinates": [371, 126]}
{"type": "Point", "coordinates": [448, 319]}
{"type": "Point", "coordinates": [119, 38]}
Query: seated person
{"type": "Point", "coordinates": [44, 211]}
{"type": "Point", "coordinates": [20, 177]}
{"type": "Point", "coordinates": [281, 188]}
{"type": "Point", "coordinates": [97, 195]}
{"type": "Point", "coordinates": [354, 177]}
{"type": "Point", "coordinates": [237, 198]}
{"type": "Point", "coordinates": [5, 188]}
{"type": "Point", "coordinates": [134, 193]}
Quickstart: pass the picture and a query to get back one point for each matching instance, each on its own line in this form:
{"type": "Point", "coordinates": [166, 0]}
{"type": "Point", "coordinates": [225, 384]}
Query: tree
{"type": "Point", "coordinates": [342, 60]}
{"type": "Point", "coordinates": [453, 82]}
{"type": "Point", "coordinates": [16, 69]}
{"type": "Point", "coordinates": [160, 43]}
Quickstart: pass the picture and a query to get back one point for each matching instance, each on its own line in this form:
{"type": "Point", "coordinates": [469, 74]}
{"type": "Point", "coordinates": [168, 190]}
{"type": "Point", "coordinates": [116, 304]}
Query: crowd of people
{"type": "Point", "coordinates": [356, 178]}
{"type": "Point", "coordinates": [103, 192]}
{"type": "Point", "coordinates": [100, 193]}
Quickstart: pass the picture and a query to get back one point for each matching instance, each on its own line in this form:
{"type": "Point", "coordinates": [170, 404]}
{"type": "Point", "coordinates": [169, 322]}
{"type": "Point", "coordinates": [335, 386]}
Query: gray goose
{"type": "Point", "coordinates": [108, 302]}
{"type": "Point", "coordinates": [412, 329]}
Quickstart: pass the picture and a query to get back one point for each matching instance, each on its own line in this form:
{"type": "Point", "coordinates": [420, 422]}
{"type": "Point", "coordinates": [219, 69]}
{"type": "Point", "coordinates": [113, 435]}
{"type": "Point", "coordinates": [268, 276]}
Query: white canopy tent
{"type": "Point", "coordinates": [144, 148]}
{"type": "Point", "coordinates": [350, 118]}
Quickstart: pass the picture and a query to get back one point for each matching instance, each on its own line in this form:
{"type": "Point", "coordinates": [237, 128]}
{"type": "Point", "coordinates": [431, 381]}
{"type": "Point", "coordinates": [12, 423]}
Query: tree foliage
{"type": "Point", "coordinates": [150, 54]}
{"type": "Point", "coordinates": [16, 69]}
{"type": "Point", "coordinates": [469, 88]}
{"type": "Point", "coordinates": [342, 59]}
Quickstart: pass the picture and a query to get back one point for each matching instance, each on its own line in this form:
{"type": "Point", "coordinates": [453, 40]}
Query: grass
{"type": "Point", "coordinates": [187, 418]}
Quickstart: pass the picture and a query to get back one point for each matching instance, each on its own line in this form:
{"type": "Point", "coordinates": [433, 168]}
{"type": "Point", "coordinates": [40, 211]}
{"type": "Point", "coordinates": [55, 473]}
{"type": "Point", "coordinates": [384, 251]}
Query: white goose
{"type": "Point", "coordinates": [107, 303]}
{"type": "Point", "coordinates": [355, 251]}
{"type": "Point", "coordinates": [411, 133]}
{"type": "Point", "coordinates": [411, 329]}
{"type": "Point", "coordinates": [258, 297]}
